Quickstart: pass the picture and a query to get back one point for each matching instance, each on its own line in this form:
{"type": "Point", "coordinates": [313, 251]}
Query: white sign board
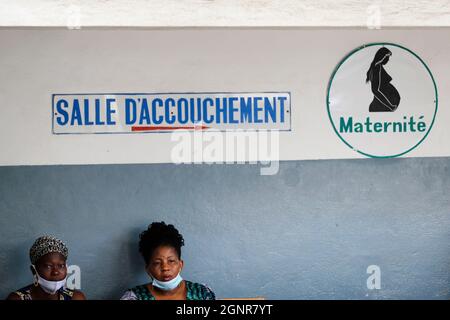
{"type": "Point", "coordinates": [137, 113]}
{"type": "Point", "coordinates": [382, 100]}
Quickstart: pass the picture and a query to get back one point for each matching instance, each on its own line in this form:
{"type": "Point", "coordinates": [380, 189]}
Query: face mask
{"type": "Point", "coordinates": [51, 287]}
{"type": "Point", "coordinates": [167, 285]}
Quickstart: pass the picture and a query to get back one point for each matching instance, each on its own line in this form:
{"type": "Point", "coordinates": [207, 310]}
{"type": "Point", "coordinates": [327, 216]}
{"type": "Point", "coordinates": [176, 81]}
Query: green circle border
{"type": "Point", "coordinates": [331, 81]}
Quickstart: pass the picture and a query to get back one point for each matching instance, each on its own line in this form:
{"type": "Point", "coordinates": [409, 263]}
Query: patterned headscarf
{"type": "Point", "coordinates": [47, 244]}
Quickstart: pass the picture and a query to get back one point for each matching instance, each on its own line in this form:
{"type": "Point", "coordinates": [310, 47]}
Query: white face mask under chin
{"type": "Point", "coordinates": [51, 287]}
{"type": "Point", "coordinates": [167, 285]}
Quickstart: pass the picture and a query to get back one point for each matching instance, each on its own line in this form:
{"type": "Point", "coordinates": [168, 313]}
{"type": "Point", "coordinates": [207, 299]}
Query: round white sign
{"type": "Point", "coordinates": [382, 100]}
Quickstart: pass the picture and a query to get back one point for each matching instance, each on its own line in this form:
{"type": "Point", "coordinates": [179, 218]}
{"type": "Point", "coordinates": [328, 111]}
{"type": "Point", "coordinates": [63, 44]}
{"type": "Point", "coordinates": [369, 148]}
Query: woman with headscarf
{"type": "Point", "coordinates": [48, 257]}
{"type": "Point", "coordinates": [386, 97]}
{"type": "Point", "coordinates": [160, 246]}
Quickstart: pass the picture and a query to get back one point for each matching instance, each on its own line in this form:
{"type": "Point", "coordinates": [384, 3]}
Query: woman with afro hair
{"type": "Point", "coordinates": [160, 246]}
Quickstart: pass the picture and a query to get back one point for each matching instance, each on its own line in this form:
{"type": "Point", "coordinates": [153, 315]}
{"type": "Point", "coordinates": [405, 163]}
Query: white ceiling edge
{"type": "Point", "coordinates": [224, 13]}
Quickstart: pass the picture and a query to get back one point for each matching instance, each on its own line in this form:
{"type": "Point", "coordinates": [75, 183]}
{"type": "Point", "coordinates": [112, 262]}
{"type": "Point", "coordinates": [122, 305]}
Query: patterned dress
{"type": "Point", "coordinates": [195, 291]}
{"type": "Point", "coordinates": [25, 293]}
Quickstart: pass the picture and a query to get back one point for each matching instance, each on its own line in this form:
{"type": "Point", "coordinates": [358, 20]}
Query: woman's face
{"type": "Point", "coordinates": [164, 264]}
{"type": "Point", "coordinates": [52, 267]}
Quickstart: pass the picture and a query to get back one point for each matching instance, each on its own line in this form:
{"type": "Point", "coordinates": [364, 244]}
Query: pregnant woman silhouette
{"type": "Point", "coordinates": [386, 97]}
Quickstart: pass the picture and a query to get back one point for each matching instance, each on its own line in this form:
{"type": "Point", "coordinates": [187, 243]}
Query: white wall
{"type": "Point", "coordinates": [40, 62]}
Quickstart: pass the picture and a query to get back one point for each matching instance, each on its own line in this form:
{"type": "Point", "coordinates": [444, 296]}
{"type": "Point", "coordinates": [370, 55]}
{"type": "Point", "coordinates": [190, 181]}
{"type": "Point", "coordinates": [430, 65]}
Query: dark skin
{"type": "Point", "coordinates": [164, 265]}
{"type": "Point", "coordinates": [51, 267]}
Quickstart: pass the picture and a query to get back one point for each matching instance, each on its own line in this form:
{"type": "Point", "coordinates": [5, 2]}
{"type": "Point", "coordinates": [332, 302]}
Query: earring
{"type": "Point", "coordinates": [35, 280]}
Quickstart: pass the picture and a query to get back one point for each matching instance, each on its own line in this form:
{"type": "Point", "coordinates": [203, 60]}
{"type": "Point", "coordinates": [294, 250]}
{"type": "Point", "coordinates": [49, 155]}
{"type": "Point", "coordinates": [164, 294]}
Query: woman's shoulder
{"type": "Point", "coordinates": [140, 288]}
{"type": "Point", "coordinates": [199, 291]}
{"type": "Point", "coordinates": [139, 292]}
{"type": "Point", "coordinates": [21, 294]}
{"type": "Point", "coordinates": [77, 295]}
{"type": "Point", "coordinates": [65, 294]}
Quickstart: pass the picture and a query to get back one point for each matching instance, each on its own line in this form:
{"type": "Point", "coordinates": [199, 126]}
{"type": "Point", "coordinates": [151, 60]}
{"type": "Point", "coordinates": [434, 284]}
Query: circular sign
{"type": "Point", "coordinates": [382, 100]}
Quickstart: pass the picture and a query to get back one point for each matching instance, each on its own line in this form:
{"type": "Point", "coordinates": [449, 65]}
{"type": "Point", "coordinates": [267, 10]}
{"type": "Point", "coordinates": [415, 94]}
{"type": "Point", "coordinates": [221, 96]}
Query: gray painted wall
{"type": "Point", "coordinates": [308, 232]}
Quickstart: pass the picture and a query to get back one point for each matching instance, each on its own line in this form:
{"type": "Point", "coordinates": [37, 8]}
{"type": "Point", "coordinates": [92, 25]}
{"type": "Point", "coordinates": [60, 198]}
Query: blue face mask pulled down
{"type": "Point", "coordinates": [167, 285]}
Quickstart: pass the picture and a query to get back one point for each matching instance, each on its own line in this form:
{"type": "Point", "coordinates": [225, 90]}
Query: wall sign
{"type": "Point", "coordinates": [137, 113]}
{"type": "Point", "coordinates": [382, 100]}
